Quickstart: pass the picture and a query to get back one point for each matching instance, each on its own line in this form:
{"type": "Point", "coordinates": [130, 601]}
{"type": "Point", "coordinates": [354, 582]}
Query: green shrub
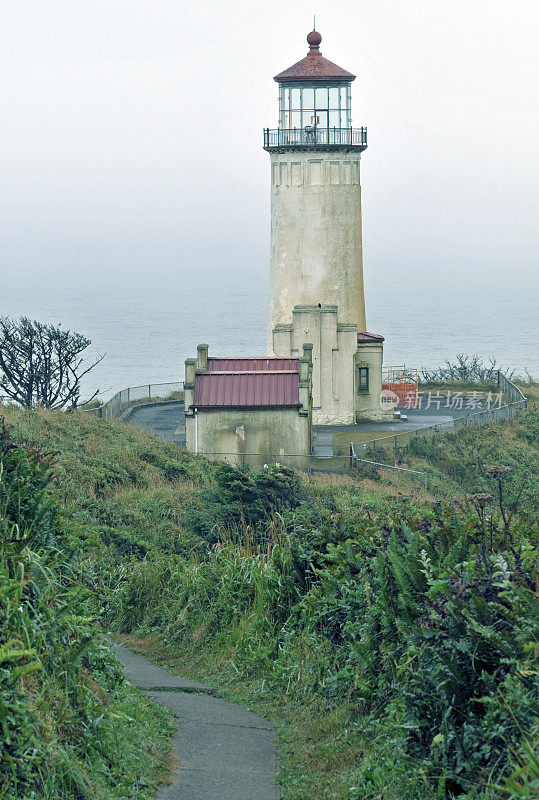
{"type": "Point", "coordinates": [437, 626]}
{"type": "Point", "coordinates": [241, 497]}
{"type": "Point", "coordinates": [63, 702]}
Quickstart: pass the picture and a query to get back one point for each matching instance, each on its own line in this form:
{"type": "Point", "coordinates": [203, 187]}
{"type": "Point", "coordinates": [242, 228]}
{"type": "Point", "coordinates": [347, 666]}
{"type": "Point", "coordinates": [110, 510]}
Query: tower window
{"type": "Point", "coordinates": [309, 104]}
{"type": "Point", "coordinates": [363, 380]}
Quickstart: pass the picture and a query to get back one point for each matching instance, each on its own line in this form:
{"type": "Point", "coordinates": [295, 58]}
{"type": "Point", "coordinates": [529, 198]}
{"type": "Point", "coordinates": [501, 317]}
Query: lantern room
{"type": "Point", "coordinates": [315, 104]}
{"type": "Point", "coordinates": [302, 105]}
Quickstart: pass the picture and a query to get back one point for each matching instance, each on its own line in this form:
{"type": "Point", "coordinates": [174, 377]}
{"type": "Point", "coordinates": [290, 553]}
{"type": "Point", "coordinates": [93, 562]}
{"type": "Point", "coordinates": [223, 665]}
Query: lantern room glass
{"type": "Point", "coordinates": [307, 105]}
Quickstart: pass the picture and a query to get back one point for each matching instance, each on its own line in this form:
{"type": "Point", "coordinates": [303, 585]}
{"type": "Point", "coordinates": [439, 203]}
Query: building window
{"type": "Point", "coordinates": [363, 380]}
{"type": "Point", "coordinates": [306, 104]}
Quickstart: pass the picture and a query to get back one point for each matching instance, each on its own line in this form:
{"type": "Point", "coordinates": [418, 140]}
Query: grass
{"type": "Point", "coordinates": [224, 614]}
{"type": "Point", "coordinates": [530, 389]}
{"type": "Point", "coordinates": [140, 731]}
{"type": "Point", "coordinates": [320, 745]}
{"type": "Point", "coordinates": [71, 726]}
{"type": "Point", "coordinates": [341, 441]}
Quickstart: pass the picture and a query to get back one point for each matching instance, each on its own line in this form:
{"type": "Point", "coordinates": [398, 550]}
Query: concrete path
{"type": "Point", "coordinates": [164, 418]}
{"type": "Point", "coordinates": [225, 752]}
{"type": "Point", "coordinates": [160, 418]}
{"type": "Point", "coordinates": [323, 442]}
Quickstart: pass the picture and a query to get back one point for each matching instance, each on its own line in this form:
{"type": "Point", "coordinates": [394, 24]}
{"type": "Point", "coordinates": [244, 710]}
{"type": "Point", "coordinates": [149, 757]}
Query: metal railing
{"type": "Point", "coordinates": [393, 442]}
{"type": "Point", "coordinates": [355, 461]}
{"type": "Point", "coordinates": [510, 390]}
{"type": "Point", "coordinates": [135, 395]}
{"type": "Point", "coordinates": [315, 137]}
{"type": "Point", "coordinates": [336, 465]}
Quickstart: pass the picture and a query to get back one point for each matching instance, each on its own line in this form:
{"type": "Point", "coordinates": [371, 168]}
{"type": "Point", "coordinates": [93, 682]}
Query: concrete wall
{"type": "Point", "coordinates": [334, 348]}
{"type": "Point", "coordinates": [316, 247]}
{"type": "Point", "coordinates": [235, 432]}
{"type": "Point", "coordinates": [368, 404]}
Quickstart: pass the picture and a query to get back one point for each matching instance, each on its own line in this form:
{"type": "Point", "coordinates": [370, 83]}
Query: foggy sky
{"type": "Point", "coordinates": [131, 132]}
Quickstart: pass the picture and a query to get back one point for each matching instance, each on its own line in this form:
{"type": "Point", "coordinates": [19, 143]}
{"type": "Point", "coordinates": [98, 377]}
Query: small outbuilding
{"type": "Point", "coordinates": [249, 410]}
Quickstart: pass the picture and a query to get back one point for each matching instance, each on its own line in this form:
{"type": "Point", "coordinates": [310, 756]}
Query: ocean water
{"type": "Point", "coordinates": [148, 322]}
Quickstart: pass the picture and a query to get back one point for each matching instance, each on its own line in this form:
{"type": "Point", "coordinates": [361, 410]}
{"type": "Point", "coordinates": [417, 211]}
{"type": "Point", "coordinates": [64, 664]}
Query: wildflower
{"type": "Point", "coordinates": [499, 469]}
{"type": "Point", "coordinates": [481, 498]}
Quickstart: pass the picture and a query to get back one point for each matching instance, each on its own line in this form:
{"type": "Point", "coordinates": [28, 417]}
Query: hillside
{"type": "Point", "coordinates": [386, 629]}
{"type": "Point", "coordinates": [71, 726]}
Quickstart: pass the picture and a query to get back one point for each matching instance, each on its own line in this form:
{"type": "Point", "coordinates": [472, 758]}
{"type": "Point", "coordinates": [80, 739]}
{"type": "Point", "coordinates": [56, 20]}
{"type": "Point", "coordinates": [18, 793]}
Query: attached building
{"type": "Point", "coordinates": [347, 365]}
{"type": "Point", "coordinates": [249, 410]}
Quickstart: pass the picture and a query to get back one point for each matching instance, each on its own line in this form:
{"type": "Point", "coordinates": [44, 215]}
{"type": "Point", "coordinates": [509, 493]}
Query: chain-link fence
{"type": "Point", "coordinates": [511, 391]}
{"type": "Point", "coordinates": [342, 465]}
{"type": "Point", "coordinates": [368, 454]}
{"type": "Point", "coordinates": [135, 395]}
{"type": "Point", "coordinates": [394, 443]}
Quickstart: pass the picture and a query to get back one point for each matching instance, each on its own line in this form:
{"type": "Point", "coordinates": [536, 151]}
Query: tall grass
{"type": "Point", "coordinates": [391, 634]}
{"type": "Point", "coordinates": [421, 622]}
{"type": "Point", "coordinates": [71, 726]}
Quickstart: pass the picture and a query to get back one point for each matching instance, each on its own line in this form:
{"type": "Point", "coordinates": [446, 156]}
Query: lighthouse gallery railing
{"type": "Point", "coordinates": [315, 137]}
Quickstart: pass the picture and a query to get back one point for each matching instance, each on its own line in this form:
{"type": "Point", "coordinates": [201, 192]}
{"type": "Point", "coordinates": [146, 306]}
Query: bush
{"type": "Point", "coordinates": [63, 702]}
{"type": "Point", "coordinates": [466, 370]}
{"type": "Point", "coordinates": [424, 621]}
{"type": "Point", "coordinates": [243, 498]}
{"type": "Point", "coordinates": [434, 625]}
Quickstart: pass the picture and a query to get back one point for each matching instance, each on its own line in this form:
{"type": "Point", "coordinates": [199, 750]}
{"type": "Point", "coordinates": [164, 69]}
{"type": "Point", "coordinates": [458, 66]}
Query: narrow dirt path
{"type": "Point", "coordinates": [225, 752]}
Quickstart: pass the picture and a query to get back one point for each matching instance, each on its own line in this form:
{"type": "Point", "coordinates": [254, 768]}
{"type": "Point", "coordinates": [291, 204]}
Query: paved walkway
{"type": "Point", "coordinates": [225, 752]}
{"type": "Point", "coordinates": [164, 418]}
{"type": "Point", "coordinates": [323, 442]}
{"type": "Point", "coordinates": [160, 418]}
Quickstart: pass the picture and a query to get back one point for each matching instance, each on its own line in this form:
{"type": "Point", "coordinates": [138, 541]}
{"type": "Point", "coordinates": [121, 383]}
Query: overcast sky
{"type": "Point", "coordinates": [132, 129]}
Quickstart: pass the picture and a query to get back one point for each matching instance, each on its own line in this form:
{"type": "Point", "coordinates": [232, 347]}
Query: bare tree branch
{"type": "Point", "coordinates": [42, 364]}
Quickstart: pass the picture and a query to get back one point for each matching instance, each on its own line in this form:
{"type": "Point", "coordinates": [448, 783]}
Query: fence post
{"type": "Point", "coordinates": [149, 391]}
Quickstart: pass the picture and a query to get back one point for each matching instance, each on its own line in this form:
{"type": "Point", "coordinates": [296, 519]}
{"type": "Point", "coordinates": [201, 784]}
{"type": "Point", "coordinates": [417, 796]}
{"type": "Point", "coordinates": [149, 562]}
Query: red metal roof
{"type": "Point", "coordinates": [246, 389]}
{"type": "Point", "coordinates": [366, 337]}
{"type": "Point", "coordinates": [314, 67]}
{"type": "Point", "coordinates": [250, 364]}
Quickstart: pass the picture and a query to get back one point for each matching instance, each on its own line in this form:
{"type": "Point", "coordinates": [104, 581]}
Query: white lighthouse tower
{"type": "Point", "coordinates": [316, 268]}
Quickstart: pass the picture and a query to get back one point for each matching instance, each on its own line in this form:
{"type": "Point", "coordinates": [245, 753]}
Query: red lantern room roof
{"type": "Point", "coordinates": [314, 67]}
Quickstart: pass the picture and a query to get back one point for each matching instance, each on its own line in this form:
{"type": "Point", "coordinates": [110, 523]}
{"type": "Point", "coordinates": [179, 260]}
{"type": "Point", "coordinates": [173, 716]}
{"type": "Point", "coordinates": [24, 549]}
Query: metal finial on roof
{"type": "Point", "coordinates": [314, 67]}
{"type": "Point", "coordinates": [314, 39]}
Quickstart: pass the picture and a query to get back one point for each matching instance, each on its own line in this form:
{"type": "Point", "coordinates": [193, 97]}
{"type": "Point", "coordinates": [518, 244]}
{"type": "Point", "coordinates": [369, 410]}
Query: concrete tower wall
{"type": "Point", "coordinates": [316, 249]}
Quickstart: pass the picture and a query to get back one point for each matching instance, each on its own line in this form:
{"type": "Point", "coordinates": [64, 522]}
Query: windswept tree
{"type": "Point", "coordinates": [42, 364]}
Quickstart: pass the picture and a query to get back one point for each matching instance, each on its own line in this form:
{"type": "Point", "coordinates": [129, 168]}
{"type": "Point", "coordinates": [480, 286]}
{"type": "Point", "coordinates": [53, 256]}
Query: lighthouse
{"type": "Point", "coordinates": [316, 262]}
